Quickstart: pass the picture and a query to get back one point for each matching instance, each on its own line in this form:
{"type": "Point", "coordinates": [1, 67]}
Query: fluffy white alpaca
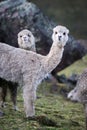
{"type": "Point", "coordinates": [26, 40]}
{"type": "Point", "coordinates": [79, 93]}
{"type": "Point", "coordinates": [28, 68]}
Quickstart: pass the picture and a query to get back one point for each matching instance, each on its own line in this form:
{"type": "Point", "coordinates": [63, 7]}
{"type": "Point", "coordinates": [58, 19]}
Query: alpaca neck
{"type": "Point", "coordinates": [53, 58]}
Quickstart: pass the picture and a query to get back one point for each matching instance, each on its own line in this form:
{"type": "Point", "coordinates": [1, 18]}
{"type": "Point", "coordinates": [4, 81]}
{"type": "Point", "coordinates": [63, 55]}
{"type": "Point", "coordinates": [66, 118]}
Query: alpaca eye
{"type": "Point", "coordinates": [29, 35]}
{"type": "Point", "coordinates": [20, 35]}
{"type": "Point", "coordinates": [55, 32]}
{"type": "Point", "coordinates": [75, 91]}
{"type": "Point", "coordinates": [64, 33]}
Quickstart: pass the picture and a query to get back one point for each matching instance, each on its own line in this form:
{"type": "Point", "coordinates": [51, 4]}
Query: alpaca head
{"type": "Point", "coordinates": [60, 35]}
{"type": "Point", "coordinates": [79, 93]}
{"type": "Point", "coordinates": [25, 39]}
{"type": "Point", "coordinates": [74, 95]}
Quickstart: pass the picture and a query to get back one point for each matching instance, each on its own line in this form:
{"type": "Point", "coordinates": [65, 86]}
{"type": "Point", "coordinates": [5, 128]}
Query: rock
{"type": "Point", "coordinates": [73, 79]}
{"type": "Point", "coordinates": [16, 15]}
{"type": "Point", "coordinates": [61, 78]}
{"type": "Point", "coordinates": [70, 80]}
{"type": "Point", "coordinates": [83, 42]}
{"type": "Point", "coordinates": [68, 83]}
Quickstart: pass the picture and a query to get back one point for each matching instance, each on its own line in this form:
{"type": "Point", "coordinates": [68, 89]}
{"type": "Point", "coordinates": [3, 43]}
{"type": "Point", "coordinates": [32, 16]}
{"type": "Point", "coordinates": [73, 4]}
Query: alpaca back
{"type": "Point", "coordinates": [6, 62]}
{"type": "Point", "coordinates": [15, 62]}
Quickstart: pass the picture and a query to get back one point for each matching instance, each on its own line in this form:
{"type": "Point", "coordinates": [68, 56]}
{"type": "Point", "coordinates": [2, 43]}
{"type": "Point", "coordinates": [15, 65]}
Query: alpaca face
{"type": "Point", "coordinates": [60, 35]}
{"type": "Point", "coordinates": [75, 95]}
{"type": "Point", "coordinates": [78, 94]}
{"type": "Point", "coordinates": [25, 39]}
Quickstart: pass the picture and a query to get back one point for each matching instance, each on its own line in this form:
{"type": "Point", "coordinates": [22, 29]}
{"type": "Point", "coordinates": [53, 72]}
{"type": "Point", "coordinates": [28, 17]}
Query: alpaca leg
{"type": "Point", "coordinates": [3, 95]}
{"type": "Point", "coordinates": [13, 92]}
{"type": "Point", "coordinates": [29, 98]}
{"type": "Point", "coordinates": [1, 113]}
{"type": "Point", "coordinates": [86, 122]}
{"type": "Point", "coordinates": [85, 106]}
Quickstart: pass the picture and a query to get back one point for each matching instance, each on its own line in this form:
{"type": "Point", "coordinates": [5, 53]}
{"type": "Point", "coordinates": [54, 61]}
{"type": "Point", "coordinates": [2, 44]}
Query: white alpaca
{"type": "Point", "coordinates": [28, 68]}
{"type": "Point", "coordinates": [79, 93]}
{"type": "Point", "coordinates": [26, 41]}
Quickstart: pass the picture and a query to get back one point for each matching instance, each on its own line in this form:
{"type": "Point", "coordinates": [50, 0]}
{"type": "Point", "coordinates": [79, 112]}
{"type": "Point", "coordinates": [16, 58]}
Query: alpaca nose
{"type": "Point", "coordinates": [70, 96]}
{"type": "Point", "coordinates": [59, 37]}
{"type": "Point", "coordinates": [25, 38]}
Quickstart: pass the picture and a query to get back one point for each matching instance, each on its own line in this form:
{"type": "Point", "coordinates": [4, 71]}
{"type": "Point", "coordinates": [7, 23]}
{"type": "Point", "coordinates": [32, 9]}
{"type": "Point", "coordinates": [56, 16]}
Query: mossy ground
{"type": "Point", "coordinates": [53, 112]}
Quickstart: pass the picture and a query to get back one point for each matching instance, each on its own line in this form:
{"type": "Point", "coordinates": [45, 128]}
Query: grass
{"type": "Point", "coordinates": [75, 68]}
{"type": "Point", "coordinates": [53, 112]}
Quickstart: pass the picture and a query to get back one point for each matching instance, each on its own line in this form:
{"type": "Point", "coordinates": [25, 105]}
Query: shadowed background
{"type": "Point", "coordinates": [72, 14]}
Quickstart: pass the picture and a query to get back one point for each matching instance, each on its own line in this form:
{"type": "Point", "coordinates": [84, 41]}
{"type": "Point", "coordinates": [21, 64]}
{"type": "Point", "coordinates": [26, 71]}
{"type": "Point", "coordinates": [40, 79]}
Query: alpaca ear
{"type": "Point", "coordinates": [54, 29]}
{"type": "Point", "coordinates": [67, 31]}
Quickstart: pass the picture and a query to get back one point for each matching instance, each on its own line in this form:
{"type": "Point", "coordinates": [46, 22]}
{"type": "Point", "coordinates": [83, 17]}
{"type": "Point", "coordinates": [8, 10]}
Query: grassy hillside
{"type": "Point", "coordinates": [76, 68]}
{"type": "Point", "coordinates": [53, 112]}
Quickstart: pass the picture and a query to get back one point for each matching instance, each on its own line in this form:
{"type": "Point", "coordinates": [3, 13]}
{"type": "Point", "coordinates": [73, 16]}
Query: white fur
{"type": "Point", "coordinates": [79, 93]}
{"type": "Point", "coordinates": [26, 40]}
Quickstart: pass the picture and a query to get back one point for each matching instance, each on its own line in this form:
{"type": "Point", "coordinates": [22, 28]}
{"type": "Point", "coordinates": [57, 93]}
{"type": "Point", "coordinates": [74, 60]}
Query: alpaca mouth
{"type": "Point", "coordinates": [59, 37]}
{"type": "Point", "coordinates": [59, 43]}
{"type": "Point", "coordinates": [27, 41]}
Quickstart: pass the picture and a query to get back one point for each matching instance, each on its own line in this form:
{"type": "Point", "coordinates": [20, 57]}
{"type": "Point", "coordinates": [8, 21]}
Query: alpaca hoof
{"type": "Point", "coordinates": [31, 118]}
{"type": "Point", "coordinates": [1, 113]}
{"type": "Point", "coordinates": [16, 108]}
